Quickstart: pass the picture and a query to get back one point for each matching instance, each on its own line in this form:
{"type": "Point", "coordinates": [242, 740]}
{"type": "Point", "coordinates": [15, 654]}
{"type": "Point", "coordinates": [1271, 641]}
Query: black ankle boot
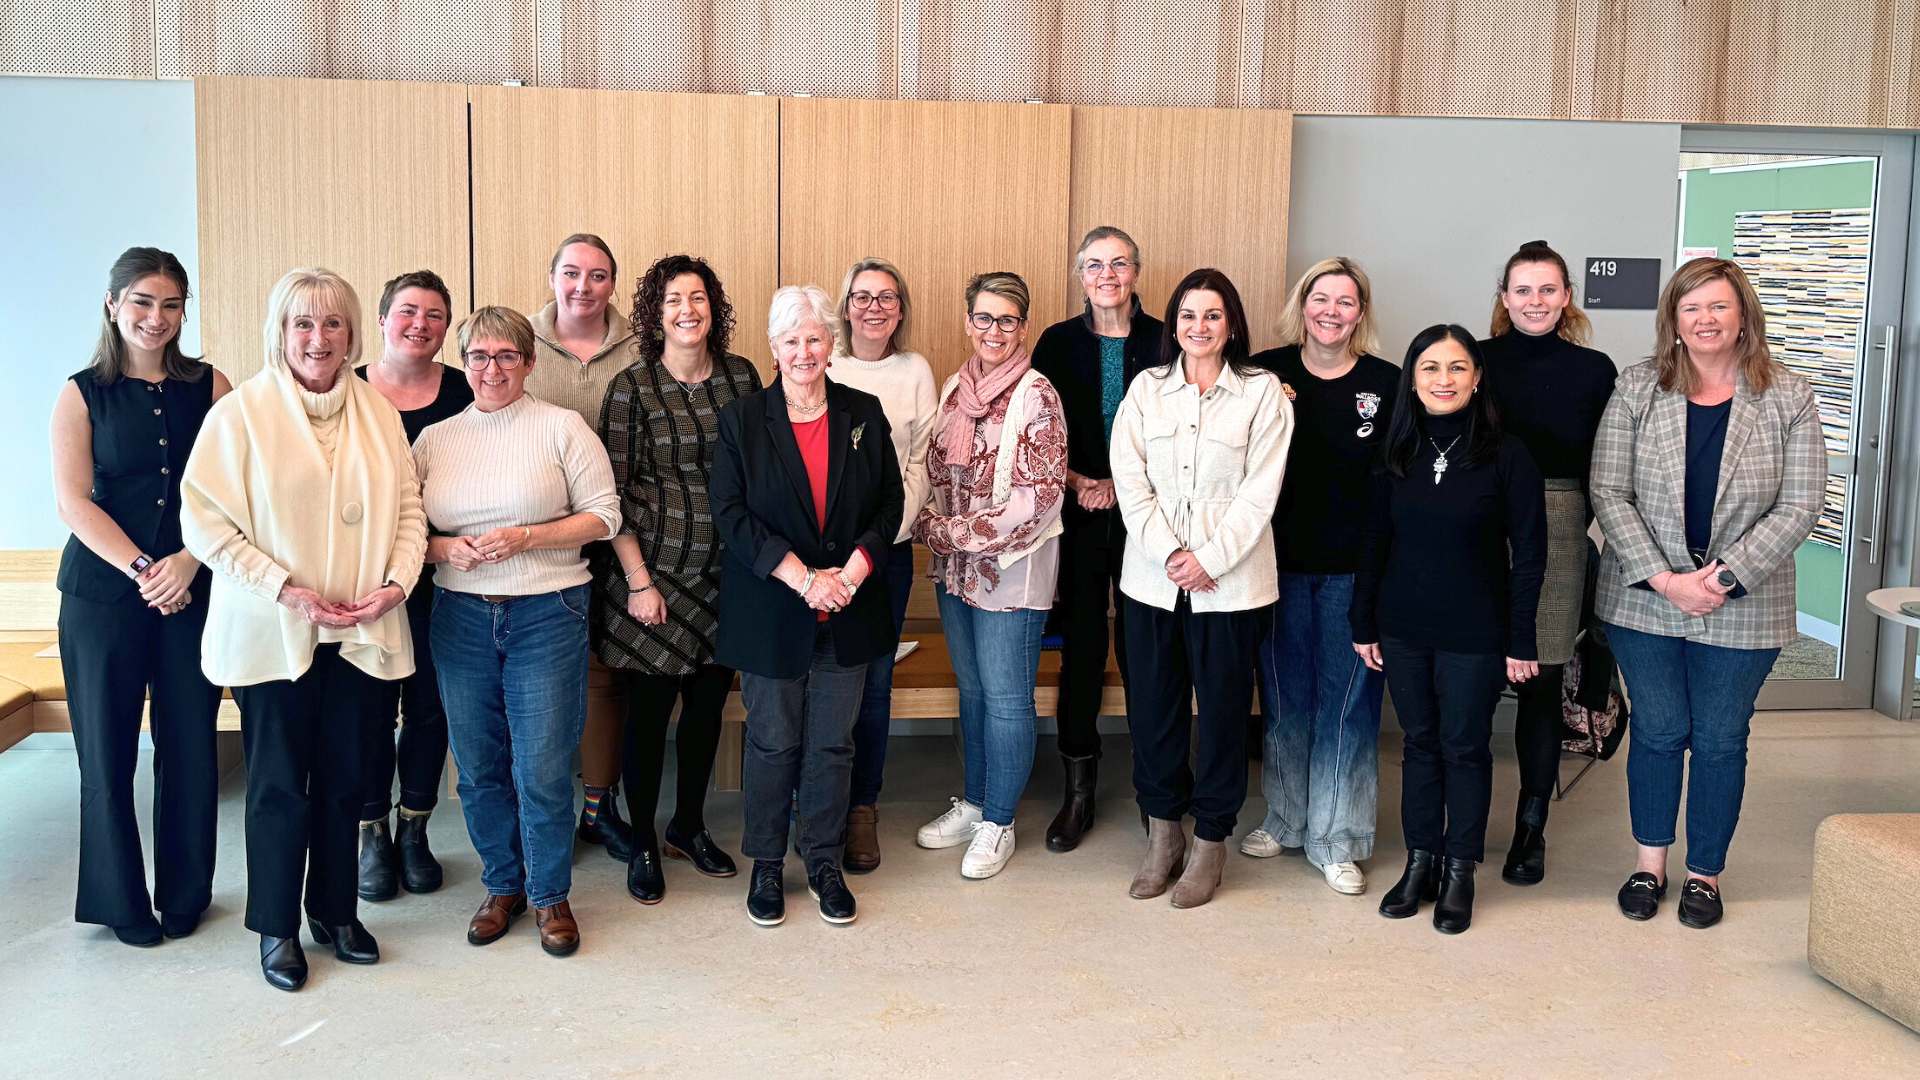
{"type": "Point", "coordinates": [607, 829]}
{"type": "Point", "coordinates": [283, 962]}
{"type": "Point", "coordinates": [1527, 860]}
{"type": "Point", "coordinates": [1453, 911]}
{"type": "Point", "coordinates": [419, 871]}
{"type": "Point", "coordinates": [1419, 882]}
{"type": "Point", "coordinates": [1076, 807]}
{"type": "Point", "coordinates": [379, 862]}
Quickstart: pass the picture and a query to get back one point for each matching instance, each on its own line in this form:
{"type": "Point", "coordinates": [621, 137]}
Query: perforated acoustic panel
{"type": "Point", "coordinates": [108, 38]}
{"type": "Point", "coordinates": [456, 41]}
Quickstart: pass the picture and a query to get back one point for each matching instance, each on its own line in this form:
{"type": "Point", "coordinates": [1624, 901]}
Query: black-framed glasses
{"type": "Point", "coordinates": [887, 301]}
{"type": "Point", "coordinates": [980, 320]}
{"type": "Point", "coordinates": [505, 359]}
{"type": "Point", "coordinates": [1093, 268]}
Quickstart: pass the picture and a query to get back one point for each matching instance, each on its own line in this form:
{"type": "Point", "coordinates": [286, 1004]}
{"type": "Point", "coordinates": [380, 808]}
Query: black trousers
{"type": "Point", "coordinates": [422, 752]}
{"type": "Point", "coordinates": [1538, 730]}
{"type": "Point", "coordinates": [650, 700]}
{"type": "Point", "coordinates": [304, 744]}
{"type": "Point", "coordinates": [1089, 581]}
{"type": "Point", "coordinates": [113, 656]}
{"type": "Point", "coordinates": [1445, 703]}
{"type": "Point", "coordinates": [1177, 656]}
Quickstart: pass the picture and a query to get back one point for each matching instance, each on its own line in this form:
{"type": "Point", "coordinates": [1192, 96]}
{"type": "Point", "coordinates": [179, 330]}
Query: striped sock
{"type": "Point", "coordinates": [594, 795]}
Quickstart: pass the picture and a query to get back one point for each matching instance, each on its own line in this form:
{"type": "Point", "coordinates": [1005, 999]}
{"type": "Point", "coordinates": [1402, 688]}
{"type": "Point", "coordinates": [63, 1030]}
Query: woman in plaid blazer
{"type": "Point", "coordinates": [1708, 471]}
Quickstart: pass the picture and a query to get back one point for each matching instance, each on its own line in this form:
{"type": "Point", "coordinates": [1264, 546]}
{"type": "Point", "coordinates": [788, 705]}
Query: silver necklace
{"type": "Point", "coordinates": [1440, 463]}
{"type": "Point", "coordinates": [806, 410]}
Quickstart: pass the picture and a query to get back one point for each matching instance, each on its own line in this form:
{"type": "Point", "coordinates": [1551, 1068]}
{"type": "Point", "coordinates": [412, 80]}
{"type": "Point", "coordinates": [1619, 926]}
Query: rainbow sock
{"type": "Point", "coordinates": [594, 795]}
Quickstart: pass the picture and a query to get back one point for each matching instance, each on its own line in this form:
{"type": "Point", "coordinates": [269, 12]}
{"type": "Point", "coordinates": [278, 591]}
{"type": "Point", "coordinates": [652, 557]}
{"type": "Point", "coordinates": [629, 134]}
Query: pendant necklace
{"type": "Point", "coordinates": [1440, 463]}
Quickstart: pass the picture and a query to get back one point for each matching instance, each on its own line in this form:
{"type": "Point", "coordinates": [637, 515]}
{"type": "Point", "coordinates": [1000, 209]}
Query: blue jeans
{"type": "Point", "coordinates": [996, 658]}
{"type": "Point", "coordinates": [799, 757]}
{"type": "Point", "coordinates": [1688, 697]}
{"type": "Point", "coordinates": [513, 676]}
{"type": "Point", "coordinates": [876, 704]}
{"type": "Point", "coordinates": [1321, 769]}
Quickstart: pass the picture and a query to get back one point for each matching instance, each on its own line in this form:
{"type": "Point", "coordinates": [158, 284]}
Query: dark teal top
{"type": "Point", "coordinates": [1113, 379]}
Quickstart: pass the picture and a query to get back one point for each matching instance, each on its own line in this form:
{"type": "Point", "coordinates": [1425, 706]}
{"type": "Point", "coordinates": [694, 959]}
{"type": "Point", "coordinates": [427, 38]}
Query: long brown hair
{"type": "Point", "coordinates": [1670, 357]}
{"type": "Point", "coordinates": [110, 352]}
{"type": "Point", "coordinates": [1574, 325]}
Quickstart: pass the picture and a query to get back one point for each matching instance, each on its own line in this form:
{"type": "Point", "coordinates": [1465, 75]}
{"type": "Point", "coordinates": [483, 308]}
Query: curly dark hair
{"type": "Point", "coordinates": [648, 333]}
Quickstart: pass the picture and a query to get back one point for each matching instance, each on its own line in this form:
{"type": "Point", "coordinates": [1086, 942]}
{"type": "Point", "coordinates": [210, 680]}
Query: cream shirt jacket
{"type": "Point", "coordinates": [1201, 472]}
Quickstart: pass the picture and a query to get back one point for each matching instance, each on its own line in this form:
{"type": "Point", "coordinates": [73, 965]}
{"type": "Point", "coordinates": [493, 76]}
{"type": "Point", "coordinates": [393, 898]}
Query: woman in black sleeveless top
{"type": "Point", "coordinates": [133, 603]}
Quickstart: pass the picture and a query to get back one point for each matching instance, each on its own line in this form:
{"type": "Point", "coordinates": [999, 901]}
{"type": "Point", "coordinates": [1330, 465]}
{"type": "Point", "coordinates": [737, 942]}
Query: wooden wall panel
{"type": "Point", "coordinates": [944, 190]}
{"type": "Point", "coordinates": [368, 179]}
{"type": "Point", "coordinates": [654, 174]}
{"type": "Point", "coordinates": [1221, 202]}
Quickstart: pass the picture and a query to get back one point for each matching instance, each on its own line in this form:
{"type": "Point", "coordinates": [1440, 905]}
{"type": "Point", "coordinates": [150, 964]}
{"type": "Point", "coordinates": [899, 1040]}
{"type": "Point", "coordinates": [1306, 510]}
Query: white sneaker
{"type": "Point", "coordinates": [1345, 878]}
{"type": "Point", "coordinates": [951, 829]}
{"type": "Point", "coordinates": [989, 851]}
{"type": "Point", "coordinates": [1260, 844]}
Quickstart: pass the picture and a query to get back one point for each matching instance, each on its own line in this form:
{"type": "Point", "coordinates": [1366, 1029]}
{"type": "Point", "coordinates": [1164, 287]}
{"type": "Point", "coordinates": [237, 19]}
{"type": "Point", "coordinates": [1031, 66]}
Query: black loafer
{"type": "Point", "coordinates": [836, 900]}
{"type": "Point", "coordinates": [351, 942]}
{"type": "Point", "coordinates": [700, 850]}
{"type": "Point", "coordinates": [1640, 897]}
{"type": "Point", "coordinates": [140, 935]}
{"type": "Point", "coordinates": [766, 893]}
{"type": "Point", "coordinates": [179, 926]}
{"type": "Point", "coordinates": [282, 962]}
{"type": "Point", "coordinates": [1700, 905]}
{"type": "Point", "coordinates": [646, 882]}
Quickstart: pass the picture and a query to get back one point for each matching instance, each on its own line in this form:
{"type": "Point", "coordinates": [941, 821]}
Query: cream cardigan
{"type": "Point", "coordinates": [261, 506]}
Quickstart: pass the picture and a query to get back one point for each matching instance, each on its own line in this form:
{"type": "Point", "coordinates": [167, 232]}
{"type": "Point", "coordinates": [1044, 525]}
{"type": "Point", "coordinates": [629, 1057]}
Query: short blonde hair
{"type": "Point", "coordinates": [798, 305]}
{"type": "Point", "coordinates": [501, 324]}
{"type": "Point", "coordinates": [308, 291]}
{"type": "Point", "coordinates": [1293, 313]}
{"type": "Point", "coordinates": [1005, 284]}
{"type": "Point", "coordinates": [842, 342]}
{"type": "Point", "coordinates": [1671, 361]}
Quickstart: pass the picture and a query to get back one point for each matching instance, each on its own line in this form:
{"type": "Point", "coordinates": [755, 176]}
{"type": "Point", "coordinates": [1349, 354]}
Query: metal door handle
{"type": "Point", "coordinates": [1889, 346]}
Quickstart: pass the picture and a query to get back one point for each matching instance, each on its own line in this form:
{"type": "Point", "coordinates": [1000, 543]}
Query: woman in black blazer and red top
{"type": "Point", "coordinates": [1090, 359]}
{"type": "Point", "coordinates": [807, 496]}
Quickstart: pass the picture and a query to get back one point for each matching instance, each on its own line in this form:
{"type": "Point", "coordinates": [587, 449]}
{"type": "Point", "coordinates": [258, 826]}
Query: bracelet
{"type": "Point", "coordinates": [528, 529]}
{"type": "Point", "coordinates": [806, 582]}
{"type": "Point", "coordinates": [847, 580]}
{"type": "Point", "coordinates": [641, 590]}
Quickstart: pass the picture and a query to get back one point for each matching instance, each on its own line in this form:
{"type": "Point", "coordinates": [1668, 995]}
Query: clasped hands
{"type": "Point", "coordinates": [463, 553]}
{"type": "Point", "coordinates": [829, 589]}
{"type": "Point", "coordinates": [320, 611]}
{"type": "Point", "coordinates": [164, 584]}
{"type": "Point", "coordinates": [1185, 571]}
{"type": "Point", "coordinates": [1697, 592]}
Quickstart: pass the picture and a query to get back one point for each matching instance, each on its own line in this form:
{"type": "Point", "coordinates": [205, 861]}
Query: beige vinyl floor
{"type": "Point", "coordinates": [1049, 970]}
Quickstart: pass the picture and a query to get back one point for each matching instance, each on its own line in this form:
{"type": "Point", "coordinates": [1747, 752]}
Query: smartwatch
{"type": "Point", "coordinates": [139, 565]}
{"type": "Point", "coordinates": [1726, 578]}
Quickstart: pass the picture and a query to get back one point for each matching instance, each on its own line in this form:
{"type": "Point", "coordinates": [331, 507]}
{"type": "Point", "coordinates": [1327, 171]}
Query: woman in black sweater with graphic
{"type": "Point", "coordinates": [1551, 391]}
{"type": "Point", "coordinates": [1444, 603]}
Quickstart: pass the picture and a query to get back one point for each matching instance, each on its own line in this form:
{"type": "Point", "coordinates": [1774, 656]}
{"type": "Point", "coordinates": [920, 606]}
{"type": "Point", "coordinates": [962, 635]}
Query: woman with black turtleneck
{"type": "Point", "coordinates": [1551, 391]}
{"type": "Point", "coordinates": [1444, 602]}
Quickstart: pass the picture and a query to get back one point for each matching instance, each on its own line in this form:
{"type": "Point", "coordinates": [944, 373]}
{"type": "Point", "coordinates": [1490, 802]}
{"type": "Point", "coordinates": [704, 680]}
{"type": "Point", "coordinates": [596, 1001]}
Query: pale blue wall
{"type": "Point", "coordinates": [93, 167]}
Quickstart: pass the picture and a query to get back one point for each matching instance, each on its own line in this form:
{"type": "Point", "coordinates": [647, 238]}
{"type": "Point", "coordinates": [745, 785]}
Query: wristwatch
{"type": "Point", "coordinates": [1726, 578]}
{"type": "Point", "coordinates": [139, 565]}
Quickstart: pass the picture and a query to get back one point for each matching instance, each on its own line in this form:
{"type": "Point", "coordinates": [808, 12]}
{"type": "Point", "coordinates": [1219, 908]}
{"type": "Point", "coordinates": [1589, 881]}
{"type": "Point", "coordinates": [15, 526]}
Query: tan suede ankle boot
{"type": "Point", "coordinates": [1166, 853]}
{"type": "Point", "coordinates": [1196, 886]}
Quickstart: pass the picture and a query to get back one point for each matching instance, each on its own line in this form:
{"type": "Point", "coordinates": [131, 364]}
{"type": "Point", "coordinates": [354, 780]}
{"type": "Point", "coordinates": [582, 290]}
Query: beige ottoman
{"type": "Point", "coordinates": [1863, 929]}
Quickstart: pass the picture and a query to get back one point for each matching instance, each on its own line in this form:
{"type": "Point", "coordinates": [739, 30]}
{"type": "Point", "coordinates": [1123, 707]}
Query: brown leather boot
{"type": "Point", "coordinates": [862, 855]}
{"type": "Point", "coordinates": [559, 934]}
{"type": "Point", "coordinates": [1202, 877]}
{"type": "Point", "coordinates": [495, 916]}
{"type": "Point", "coordinates": [1166, 854]}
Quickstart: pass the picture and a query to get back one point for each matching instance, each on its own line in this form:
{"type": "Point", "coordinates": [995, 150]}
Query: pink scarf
{"type": "Point", "coordinates": [978, 389]}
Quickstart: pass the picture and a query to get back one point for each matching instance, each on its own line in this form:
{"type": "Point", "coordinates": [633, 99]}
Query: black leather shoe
{"type": "Point", "coordinates": [700, 850]}
{"type": "Point", "coordinates": [179, 926]}
{"type": "Point", "coordinates": [379, 862]}
{"type": "Point", "coordinates": [608, 830]}
{"type": "Point", "coordinates": [351, 942]}
{"type": "Point", "coordinates": [1419, 882]}
{"type": "Point", "coordinates": [1453, 908]}
{"type": "Point", "coordinates": [1076, 806]}
{"type": "Point", "coordinates": [419, 871]}
{"type": "Point", "coordinates": [836, 900]}
{"type": "Point", "coordinates": [282, 962]}
{"type": "Point", "coordinates": [1700, 905]}
{"type": "Point", "coordinates": [646, 882]}
{"type": "Point", "coordinates": [1527, 859]}
{"type": "Point", "coordinates": [1640, 897]}
{"type": "Point", "coordinates": [766, 893]}
{"type": "Point", "coordinates": [141, 935]}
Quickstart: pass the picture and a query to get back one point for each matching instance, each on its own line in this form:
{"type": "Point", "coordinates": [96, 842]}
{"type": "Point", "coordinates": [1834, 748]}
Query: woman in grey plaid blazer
{"type": "Point", "coordinates": [1708, 471]}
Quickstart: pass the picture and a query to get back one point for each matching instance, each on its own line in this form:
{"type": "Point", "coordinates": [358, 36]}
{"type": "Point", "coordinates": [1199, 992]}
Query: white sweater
{"type": "Point", "coordinates": [904, 384]}
{"type": "Point", "coordinates": [527, 463]}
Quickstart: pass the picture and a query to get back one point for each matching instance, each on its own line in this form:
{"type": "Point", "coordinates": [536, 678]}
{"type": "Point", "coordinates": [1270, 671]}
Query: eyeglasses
{"type": "Point", "coordinates": [983, 321]}
{"type": "Point", "coordinates": [887, 301]}
{"type": "Point", "coordinates": [505, 359]}
{"type": "Point", "coordinates": [1093, 268]}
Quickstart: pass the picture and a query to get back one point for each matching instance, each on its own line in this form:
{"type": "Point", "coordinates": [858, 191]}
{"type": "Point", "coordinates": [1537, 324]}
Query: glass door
{"type": "Point", "coordinates": [1819, 222]}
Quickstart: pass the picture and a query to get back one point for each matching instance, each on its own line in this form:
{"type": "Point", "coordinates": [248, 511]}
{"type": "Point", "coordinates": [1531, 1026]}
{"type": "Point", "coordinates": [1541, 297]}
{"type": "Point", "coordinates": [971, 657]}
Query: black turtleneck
{"type": "Point", "coordinates": [1550, 393]}
{"type": "Point", "coordinates": [1436, 569]}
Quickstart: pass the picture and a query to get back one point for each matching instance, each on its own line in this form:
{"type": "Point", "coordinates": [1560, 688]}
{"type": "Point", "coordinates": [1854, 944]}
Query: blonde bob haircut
{"type": "Point", "coordinates": [1293, 313]}
{"type": "Point", "coordinates": [843, 338]}
{"type": "Point", "coordinates": [1005, 284]}
{"type": "Point", "coordinates": [795, 306]}
{"type": "Point", "coordinates": [310, 291]}
{"type": "Point", "coordinates": [1670, 357]}
{"type": "Point", "coordinates": [499, 324]}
